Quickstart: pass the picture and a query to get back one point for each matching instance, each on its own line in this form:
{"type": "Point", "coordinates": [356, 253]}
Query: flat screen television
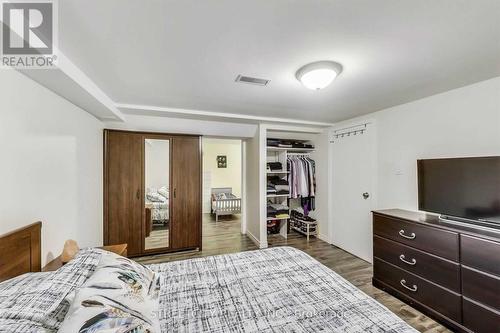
{"type": "Point", "coordinates": [461, 188]}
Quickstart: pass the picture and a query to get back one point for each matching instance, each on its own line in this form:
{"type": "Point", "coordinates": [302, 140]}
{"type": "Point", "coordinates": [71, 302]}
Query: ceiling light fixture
{"type": "Point", "coordinates": [318, 75]}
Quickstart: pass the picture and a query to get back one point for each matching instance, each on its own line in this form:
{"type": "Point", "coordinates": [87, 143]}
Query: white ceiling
{"type": "Point", "coordinates": [186, 53]}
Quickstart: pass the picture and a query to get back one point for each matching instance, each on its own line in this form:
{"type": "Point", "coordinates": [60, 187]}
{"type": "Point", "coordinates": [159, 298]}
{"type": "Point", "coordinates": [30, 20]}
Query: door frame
{"type": "Point", "coordinates": [243, 229]}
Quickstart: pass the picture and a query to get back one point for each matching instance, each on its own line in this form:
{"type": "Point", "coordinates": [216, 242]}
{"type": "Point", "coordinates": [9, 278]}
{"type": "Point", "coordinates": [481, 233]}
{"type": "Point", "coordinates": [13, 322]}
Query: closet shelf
{"type": "Point", "coordinates": [298, 150]}
{"type": "Point", "coordinates": [277, 195]}
{"type": "Point", "coordinates": [277, 218]}
{"type": "Point", "coordinates": [275, 172]}
{"type": "Point", "coordinates": [311, 233]}
{"type": "Point", "coordinates": [308, 222]}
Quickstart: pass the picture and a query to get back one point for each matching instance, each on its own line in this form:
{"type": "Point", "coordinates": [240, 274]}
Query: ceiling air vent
{"type": "Point", "coordinates": [252, 80]}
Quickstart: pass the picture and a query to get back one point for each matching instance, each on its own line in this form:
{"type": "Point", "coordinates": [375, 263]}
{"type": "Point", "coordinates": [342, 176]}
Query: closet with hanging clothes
{"type": "Point", "coordinates": [302, 180]}
{"type": "Point", "coordinates": [291, 186]}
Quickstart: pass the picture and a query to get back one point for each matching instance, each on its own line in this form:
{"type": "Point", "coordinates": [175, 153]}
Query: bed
{"type": "Point", "coordinates": [274, 290]}
{"type": "Point", "coordinates": [157, 202]}
{"type": "Point", "coordinates": [224, 202]}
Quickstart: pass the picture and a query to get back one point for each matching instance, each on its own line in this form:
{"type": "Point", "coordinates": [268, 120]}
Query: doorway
{"type": "Point", "coordinates": [222, 188]}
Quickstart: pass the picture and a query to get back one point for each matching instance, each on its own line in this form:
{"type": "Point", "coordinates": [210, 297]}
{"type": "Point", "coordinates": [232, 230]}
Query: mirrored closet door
{"type": "Point", "coordinates": [157, 223]}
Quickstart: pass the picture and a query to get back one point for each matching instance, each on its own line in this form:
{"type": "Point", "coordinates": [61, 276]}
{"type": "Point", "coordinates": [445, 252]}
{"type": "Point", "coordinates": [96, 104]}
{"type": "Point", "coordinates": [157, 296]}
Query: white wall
{"type": "Point", "coordinates": [461, 122]}
{"type": "Point", "coordinates": [51, 170]}
{"type": "Point", "coordinates": [457, 123]}
{"type": "Point", "coordinates": [222, 177]}
{"type": "Point", "coordinates": [156, 163]}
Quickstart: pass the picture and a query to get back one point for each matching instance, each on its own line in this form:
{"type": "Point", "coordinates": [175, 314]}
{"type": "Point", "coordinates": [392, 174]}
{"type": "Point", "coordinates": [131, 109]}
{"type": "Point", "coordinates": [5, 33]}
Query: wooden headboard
{"type": "Point", "coordinates": [20, 251]}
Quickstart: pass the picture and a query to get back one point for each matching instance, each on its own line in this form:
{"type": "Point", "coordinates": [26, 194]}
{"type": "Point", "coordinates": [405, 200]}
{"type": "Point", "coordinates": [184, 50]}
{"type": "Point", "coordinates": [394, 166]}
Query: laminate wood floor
{"type": "Point", "coordinates": [156, 239]}
{"type": "Point", "coordinates": [225, 237]}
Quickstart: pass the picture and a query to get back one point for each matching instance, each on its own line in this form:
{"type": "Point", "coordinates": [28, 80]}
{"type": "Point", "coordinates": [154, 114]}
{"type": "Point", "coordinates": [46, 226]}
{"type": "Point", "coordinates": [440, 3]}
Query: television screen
{"type": "Point", "coordinates": [461, 187]}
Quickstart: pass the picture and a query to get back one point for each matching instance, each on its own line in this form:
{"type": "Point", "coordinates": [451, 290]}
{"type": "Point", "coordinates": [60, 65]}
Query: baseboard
{"type": "Point", "coordinates": [324, 238]}
{"type": "Point", "coordinates": [253, 238]}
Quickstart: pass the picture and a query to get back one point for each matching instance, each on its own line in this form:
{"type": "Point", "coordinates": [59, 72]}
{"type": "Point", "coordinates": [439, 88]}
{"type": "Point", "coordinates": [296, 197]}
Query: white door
{"type": "Point", "coordinates": [353, 184]}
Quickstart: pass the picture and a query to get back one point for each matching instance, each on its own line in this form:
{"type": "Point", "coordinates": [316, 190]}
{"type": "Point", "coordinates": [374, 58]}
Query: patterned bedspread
{"type": "Point", "coordinates": [36, 302]}
{"type": "Point", "coordinates": [273, 290]}
{"type": "Point", "coordinates": [159, 210]}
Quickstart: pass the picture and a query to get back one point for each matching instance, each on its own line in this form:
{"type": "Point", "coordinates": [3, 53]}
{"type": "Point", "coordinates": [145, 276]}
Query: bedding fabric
{"type": "Point", "coordinates": [22, 326]}
{"type": "Point", "coordinates": [28, 281]}
{"type": "Point", "coordinates": [121, 296]}
{"type": "Point", "coordinates": [39, 298]}
{"type": "Point", "coordinates": [158, 199]}
{"type": "Point", "coordinates": [155, 197]}
{"type": "Point", "coordinates": [163, 191]}
{"type": "Point", "coordinates": [159, 211]}
{"type": "Point", "coordinates": [225, 195]}
{"type": "Point", "coordinates": [273, 290]}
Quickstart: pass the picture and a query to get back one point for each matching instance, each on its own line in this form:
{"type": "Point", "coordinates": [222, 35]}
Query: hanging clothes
{"type": "Point", "coordinates": [312, 177]}
{"type": "Point", "coordinates": [301, 177]}
{"type": "Point", "coordinates": [308, 204]}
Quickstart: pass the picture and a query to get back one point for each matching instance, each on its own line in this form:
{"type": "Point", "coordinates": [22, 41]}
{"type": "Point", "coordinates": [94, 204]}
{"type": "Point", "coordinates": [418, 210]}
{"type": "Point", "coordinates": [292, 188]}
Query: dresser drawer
{"type": "Point", "coordinates": [440, 242]}
{"type": "Point", "coordinates": [479, 318]}
{"type": "Point", "coordinates": [481, 254]}
{"type": "Point", "coordinates": [430, 267]}
{"type": "Point", "coordinates": [441, 300]}
{"type": "Point", "coordinates": [481, 287]}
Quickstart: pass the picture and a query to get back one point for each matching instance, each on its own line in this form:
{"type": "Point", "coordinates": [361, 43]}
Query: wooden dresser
{"type": "Point", "coordinates": [449, 271]}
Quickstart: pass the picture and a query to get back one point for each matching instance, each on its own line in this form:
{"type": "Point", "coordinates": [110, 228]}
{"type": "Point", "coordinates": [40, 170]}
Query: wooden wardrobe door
{"type": "Point", "coordinates": [123, 190]}
{"type": "Point", "coordinates": [186, 192]}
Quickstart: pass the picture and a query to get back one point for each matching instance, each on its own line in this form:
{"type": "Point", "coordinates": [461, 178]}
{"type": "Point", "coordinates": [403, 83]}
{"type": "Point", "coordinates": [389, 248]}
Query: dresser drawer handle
{"type": "Point", "coordinates": [403, 259]}
{"type": "Point", "coordinates": [402, 234]}
{"type": "Point", "coordinates": [413, 288]}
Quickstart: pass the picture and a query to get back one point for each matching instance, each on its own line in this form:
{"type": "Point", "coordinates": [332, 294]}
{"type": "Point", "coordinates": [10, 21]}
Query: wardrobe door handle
{"type": "Point", "coordinates": [402, 234]}
{"type": "Point", "coordinates": [412, 288]}
{"type": "Point", "coordinates": [403, 259]}
{"type": "Point", "coordinates": [175, 193]}
{"type": "Point", "coordinates": [138, 194]}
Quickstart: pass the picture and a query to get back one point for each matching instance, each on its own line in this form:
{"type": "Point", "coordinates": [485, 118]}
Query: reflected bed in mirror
{"type": "Point", "coordinates": [157, 200]}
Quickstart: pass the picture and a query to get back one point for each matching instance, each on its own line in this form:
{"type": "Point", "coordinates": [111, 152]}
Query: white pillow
{"type": "Point", "coordinates": [155, 197]}
{"type": "Point", "coordinates": [163, 191]}
{"type": "Point", "coordinates": [121, 295]}
{"type": "Point", "coordinates": [221, 196]}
